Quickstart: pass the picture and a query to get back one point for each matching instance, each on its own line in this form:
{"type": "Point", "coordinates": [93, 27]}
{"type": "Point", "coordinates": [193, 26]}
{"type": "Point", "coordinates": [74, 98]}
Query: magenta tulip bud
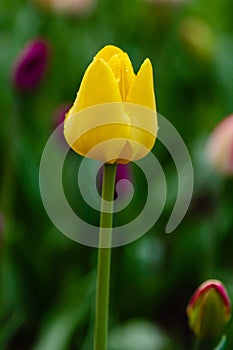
{"type": "Point", "coordinates": [30, 65]}
{"type": "Point", "coordinates": [209, 310]}
{"type": "Point", "coordinates": [220, 147]}
{"type": "Point", "coordinates": [60, 112]}
{"type": "Point", "coordinates": [123, 172]}
{"type": "Point", "coordinates": [58, 118]}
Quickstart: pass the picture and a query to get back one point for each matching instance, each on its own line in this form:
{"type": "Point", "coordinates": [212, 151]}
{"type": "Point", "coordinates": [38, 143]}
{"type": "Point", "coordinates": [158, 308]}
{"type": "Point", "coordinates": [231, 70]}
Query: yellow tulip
{"type": "Point", "coordinates": [113, 118]}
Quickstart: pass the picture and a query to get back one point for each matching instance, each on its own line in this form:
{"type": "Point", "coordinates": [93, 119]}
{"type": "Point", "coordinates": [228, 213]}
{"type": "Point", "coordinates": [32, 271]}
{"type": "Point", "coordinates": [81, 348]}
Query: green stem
{"type": "Point", "coordinates": [104, 259]}
{"type": "Point", "coordinates": [197, 345]}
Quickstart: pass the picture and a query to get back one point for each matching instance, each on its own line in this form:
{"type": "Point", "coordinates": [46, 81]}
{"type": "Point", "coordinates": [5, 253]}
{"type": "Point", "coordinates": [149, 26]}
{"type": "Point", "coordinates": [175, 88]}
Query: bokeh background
{"type": "Point", "coordinates": [47, 282]}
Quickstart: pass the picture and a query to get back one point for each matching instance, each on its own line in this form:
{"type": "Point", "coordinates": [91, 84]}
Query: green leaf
{"type": "Point", "coordinates": [66, 321]}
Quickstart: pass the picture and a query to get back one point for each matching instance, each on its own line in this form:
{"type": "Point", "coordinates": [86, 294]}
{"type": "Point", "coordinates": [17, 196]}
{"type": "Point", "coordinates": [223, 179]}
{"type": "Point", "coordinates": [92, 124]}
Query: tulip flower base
{"type": "Point", "coordinates": [104, 259]}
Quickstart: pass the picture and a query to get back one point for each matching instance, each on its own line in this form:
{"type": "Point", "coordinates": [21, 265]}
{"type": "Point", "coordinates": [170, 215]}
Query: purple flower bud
{"type": "Point", "coordinates": [123, 172]}
{"type": "Point", "coordinates": [60, 112]}
{"type": "Point", "coordinates": [59, 117]}
{"type": "Point", "coordinates": [220, 147]}
{"type": "Point", "coordinates": [30, 65]}
{"type": "Point", "coordinates": [209, 310]}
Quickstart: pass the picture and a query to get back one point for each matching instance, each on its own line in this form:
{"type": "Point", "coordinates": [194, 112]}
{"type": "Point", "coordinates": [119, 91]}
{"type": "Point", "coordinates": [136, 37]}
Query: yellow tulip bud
{"type": "Point", "coordinates": [113, 118]}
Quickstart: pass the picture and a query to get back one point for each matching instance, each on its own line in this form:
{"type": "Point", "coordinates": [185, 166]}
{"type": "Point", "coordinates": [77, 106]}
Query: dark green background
{"type": "Point", "coordinates": [47, 286]}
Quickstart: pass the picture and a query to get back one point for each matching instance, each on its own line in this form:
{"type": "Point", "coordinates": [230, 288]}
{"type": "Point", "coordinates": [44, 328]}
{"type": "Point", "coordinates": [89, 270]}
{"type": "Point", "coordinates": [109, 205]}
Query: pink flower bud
{"type": "Point", "coordinates": [220, 147]}
{"type": "Point", "coordinates": [68, 7]}
{"type": "Point", "coordinates": [209, 310]}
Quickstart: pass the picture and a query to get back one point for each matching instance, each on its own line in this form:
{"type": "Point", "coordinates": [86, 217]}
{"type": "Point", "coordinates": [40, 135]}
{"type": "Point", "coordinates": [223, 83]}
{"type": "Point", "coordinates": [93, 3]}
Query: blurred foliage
{"type": "Point", "coordinates": [47, 281]}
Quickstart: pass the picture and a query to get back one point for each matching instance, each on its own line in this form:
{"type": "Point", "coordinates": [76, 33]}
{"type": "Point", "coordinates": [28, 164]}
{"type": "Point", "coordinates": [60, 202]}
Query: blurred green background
{"type": "Point", "coordinates": [47, 285]}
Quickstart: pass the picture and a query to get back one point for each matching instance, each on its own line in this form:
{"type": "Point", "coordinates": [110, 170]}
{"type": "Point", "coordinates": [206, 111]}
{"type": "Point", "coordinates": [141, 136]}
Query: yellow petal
{"type": "Point", "coordinates": [115, 65]}
{"type": "Point", "coordinates": [99, 132]}
{"type": "Point", "coordinates": [121, 65]}
{"type": "Point", "coordinates": [142, 90]}
{"type": "Point", "coordinates": [127, 76]}
{"type": "Point", "coordinates": [107, 52]}
{"type": "Point", "coordinates": [142, 111]}
{"type": "Point", "coordinates": [143, 130]}
{"type": "Point", "coordinates": [98, 86]}
{"type": "Point", "coordinates": [123, 71]}
{"type": "Point", "coordinates": [141, 143]}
